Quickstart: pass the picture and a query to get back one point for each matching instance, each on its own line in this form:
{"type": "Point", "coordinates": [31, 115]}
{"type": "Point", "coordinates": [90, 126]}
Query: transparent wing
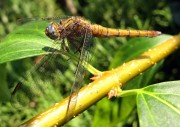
{"type": "Point", "coordinates": [55, 19]}
{"type": "Point", "coordinates": [80, 71]}
{"type": "Point", "coordinates": [24, 93]}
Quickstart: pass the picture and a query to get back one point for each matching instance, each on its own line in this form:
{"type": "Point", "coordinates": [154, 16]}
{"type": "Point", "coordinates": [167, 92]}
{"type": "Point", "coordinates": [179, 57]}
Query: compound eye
{"type": "Point", "coordinates": [51, 31]}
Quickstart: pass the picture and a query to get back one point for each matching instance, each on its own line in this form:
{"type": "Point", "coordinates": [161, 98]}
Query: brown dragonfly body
{"type": "Point", "coordinates": [65, 28]}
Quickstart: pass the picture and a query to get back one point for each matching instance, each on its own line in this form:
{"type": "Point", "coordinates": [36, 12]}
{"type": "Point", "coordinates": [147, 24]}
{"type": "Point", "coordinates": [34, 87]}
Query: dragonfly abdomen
{"type": "Point", "coordinates": [100, 31]}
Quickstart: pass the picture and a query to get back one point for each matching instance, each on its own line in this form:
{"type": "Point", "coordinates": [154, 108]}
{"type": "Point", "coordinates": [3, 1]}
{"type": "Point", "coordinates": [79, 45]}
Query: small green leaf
{"type": "Point", "coordinates": [159, 105]}
{"type": "Point", "coordinates": [25, 41]}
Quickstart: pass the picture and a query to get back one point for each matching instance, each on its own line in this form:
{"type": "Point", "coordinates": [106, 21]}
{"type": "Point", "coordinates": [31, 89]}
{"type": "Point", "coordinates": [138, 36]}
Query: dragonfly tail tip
{"type": "Point", "coordinates": [158, 33]}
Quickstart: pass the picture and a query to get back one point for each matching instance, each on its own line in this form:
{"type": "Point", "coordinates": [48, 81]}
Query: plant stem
{"type": "Point", "coordinates": [99, 88]}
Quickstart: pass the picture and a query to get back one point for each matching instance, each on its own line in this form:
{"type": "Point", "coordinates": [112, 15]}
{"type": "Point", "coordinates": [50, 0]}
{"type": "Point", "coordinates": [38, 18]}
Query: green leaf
{"type": "Point", "coordinates": [30, 40]}
{"type": "Point", "coordinates": [134, 47]}
{"type": "Point", "coordinates": [159, 105]}
{"type": "Point", "coordinates": [25, 41]}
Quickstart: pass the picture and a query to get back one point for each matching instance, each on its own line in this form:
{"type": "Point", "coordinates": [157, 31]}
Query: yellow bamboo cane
{"type": "Point", "coordinates": [99, 88]}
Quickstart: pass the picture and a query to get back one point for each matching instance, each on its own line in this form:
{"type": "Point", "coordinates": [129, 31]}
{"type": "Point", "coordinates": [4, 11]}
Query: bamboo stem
{"type": "Point", "coordinates": [100, 87]}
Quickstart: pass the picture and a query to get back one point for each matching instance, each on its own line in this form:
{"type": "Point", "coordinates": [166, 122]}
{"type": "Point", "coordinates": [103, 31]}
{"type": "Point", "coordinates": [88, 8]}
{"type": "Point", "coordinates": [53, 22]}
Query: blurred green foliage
{"type": "Point", "coordinates": [129, 14]}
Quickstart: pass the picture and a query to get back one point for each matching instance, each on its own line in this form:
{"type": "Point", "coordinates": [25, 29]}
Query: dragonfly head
{"type": "Point", "coordinates": [52, 31]}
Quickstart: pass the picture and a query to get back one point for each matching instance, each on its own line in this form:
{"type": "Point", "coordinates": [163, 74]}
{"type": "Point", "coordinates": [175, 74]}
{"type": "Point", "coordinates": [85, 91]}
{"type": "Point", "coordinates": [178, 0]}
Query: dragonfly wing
{"type": "Point", "coordinates": [25, 92]}
{"type": "Point", "coordinates": [54, 19]}
{"type": "Point", "coordinates": [80, 72]}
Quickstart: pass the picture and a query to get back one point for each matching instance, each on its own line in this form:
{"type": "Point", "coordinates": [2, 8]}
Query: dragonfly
{"type": "Point", "coordinates": [79, 33]}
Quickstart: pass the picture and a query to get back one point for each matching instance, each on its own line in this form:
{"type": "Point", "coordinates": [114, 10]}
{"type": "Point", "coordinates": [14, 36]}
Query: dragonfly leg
{"type": "Point", "coordinates": [64, 46]}
{"type": "Point", "coordinates": [77, 49]}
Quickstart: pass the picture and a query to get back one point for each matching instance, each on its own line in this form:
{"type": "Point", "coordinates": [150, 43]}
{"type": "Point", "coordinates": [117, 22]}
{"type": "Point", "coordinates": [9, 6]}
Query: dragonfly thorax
{"type": "Point", "coordinates": [52, 31]}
